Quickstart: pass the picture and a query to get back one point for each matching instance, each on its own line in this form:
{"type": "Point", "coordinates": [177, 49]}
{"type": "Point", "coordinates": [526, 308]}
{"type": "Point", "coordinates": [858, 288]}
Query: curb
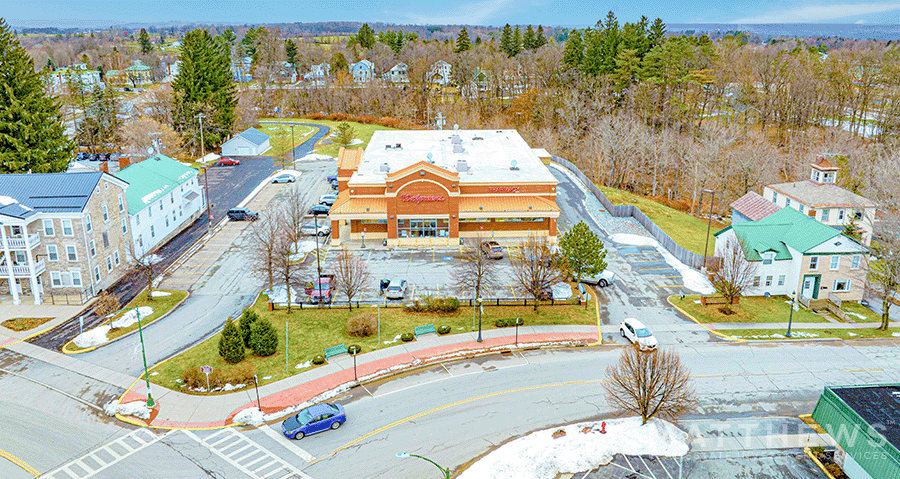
{"type": "Point", "coordinates": [815, 459]}
{"type": "Point", "coordinates": [713, 331]}
{"type": "Point", "coordinates": [26, 338]}
{"type": "Point", "coordinates": [597, 310]}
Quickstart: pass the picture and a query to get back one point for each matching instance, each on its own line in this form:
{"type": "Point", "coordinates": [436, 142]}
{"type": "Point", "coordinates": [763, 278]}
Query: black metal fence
{"type": "Point", "coordinates": [70, 298]}
{"type": "Point", "coordinates": [463, 303]}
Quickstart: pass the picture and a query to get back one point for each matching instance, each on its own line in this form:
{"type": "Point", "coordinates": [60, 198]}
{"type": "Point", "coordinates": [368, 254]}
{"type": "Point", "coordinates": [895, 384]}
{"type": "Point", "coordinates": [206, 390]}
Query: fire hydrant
{"type": "Point", "coordinates": [603, 427]}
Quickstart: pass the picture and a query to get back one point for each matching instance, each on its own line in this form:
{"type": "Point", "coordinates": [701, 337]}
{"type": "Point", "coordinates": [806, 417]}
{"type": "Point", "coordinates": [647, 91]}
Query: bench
{"type": "Point", "coordinates": [335, 351]}
{"type": "Point", "coordinates": [426, 329]}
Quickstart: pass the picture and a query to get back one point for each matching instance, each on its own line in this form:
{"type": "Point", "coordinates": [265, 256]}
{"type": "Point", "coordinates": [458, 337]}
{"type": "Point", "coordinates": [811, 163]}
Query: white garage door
{"type": "Point", "coordinates": [245, 150]}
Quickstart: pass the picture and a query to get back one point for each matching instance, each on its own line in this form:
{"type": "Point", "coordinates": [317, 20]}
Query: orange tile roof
{"type": "Point", "coordinates": [469, 204]}
{"type": "Point", "coordinates": [346, 205]}
{"type": "Point", "coordinates": [824, 164]}
{"type": "Point", "coordinates": [349, 158]}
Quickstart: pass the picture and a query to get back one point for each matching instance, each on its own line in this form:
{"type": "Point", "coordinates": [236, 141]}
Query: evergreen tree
{"type": "Point", "coordinates": [290, 52]}
{"type": "Point", "coordinates": [463, 43]}
{"type": "Point", "coordinates": [144, 40]}
{"type": "Point", "coordinates": [365, 37]}
{"type": "Point", "coordinates": [101, 122]}
{"type": "Point", "coordinates": [657, 33]}
{"type": "Point", "coordinates": [539, 38]}
{"type": "Point", "coordinates": [516, 44]}
{"type": "Point", "coordinates": [478, 40]}
{"type": "Point", "coordinates": [583, 251]}
{"type": "Point", "coordinates": [246, 322]}
{"type": "Point", "coordinates": [249, 43]}
{"type": "Point", "coordinates": [204, 85]}
{"type": "Point", "coordinates": [573, 51]}
{"type": "Point", "coordinates": [529, 42]}
{"type": "Point", "coordinates": [338, 63]}
{"type": "Point", "coordinates": [31, 133]}
{"type": "Point", "coordinates": [506, 40]}
{"type": "Point", "coordinates": [263, 338]}
{"type": "Point", "coordinates": [231, 346]}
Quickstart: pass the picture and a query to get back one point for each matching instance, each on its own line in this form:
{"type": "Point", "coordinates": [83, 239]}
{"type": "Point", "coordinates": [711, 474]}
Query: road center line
{"type": "Point", "coordinates": [15, 460]}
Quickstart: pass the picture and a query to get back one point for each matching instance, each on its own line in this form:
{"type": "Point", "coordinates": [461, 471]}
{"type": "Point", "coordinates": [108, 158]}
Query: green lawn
{"type": "Point", "coordinates": [770, 334]}
{"type": "Point", "coordinates": [281, 137]}
{"type": "Point", "coordinates": [312, 330]}
{"type": "Point", "coordinates": [362, 131]}
{"type": "Point", "coordinates": [24, 324]}
{"type": "Point", "coordinates": [853, 307]}
{"type": "Point", "coordinates": [753, 309]}
{"type": "Point", "coordinates": [689, 232]}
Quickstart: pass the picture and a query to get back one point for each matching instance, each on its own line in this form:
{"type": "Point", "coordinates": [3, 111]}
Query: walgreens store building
{"type": "Point", "coordinates": [424, 188]}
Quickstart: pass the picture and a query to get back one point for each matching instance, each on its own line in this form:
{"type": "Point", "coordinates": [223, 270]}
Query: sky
{"type": "Point", "coordinates": [566, 13]}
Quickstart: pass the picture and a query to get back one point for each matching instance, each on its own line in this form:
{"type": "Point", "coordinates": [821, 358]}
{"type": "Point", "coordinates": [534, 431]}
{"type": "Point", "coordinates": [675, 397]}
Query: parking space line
{"type": "Point", "coordinates": [513, 293]}
{"type": "Point", "coordinates": [445, 369]}
{"type": "Point", "coordinates": [654, 269]}
{"type": "Point", "coordinates": [367, 390]}
{"type": "Point", "coordinates": [669, 286]}
{"type": "Point", "coordinates": [648, 466]}
{"type": "Point", "coordinates": [646, 261]}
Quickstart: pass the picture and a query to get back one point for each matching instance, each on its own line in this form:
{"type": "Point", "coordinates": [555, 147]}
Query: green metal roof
{"type": "Point", "coordinates": [151, 179]}
{"type": "Point", "coordinates": [786, 227]}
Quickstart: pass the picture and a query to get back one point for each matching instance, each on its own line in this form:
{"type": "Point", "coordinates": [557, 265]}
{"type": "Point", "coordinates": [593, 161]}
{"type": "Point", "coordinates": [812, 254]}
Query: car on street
{"type": "Point", "coordinates": [396, 289]}
{"type": "Point", "coordinates": [331, 178]}
{"type": "Point", "coordinates": [242, 214]}
{"type": "Point", "coordinates": [492, 249]}
{"type": "Point", "coordinates": [635, 331]}
{"type": "Point", "coordinates": [314, 419]}
{"type": "Point", "coordinates": [311, 229]}
{"type": "Point", "coordinates": [284, 178]}
{"type": "Point", "coordinates": [319, 210]}
{"type": "Point", "coordinates": [604, 279]}
{"type": "Point", "coordinates": [328, 199]}
{"type": "Point", "coordinates": [228, 162]}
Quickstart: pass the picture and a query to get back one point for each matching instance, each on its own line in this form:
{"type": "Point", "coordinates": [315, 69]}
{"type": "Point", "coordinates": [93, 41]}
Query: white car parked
{"type": "Point", "coordinates": [604, 279]}
{"type": "Point", "coordinates": [396, 289]}
{"type": "Point", "coordinates": [636, 332]}
{"type": "Point", "coordinates": [310, 229]}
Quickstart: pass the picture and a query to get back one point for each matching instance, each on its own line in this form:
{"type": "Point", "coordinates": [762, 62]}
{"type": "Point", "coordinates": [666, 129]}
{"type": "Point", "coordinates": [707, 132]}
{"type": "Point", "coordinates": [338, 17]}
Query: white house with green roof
{"type": "Point", "coordinates": [164, 196]}
{"type": "Point", "coordinates": [796, 253]}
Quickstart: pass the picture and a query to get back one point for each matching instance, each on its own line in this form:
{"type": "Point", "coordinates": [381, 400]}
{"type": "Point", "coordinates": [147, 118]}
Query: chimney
{"type": "Point", "coordinates": [104, 167]}
{"type": "Point", "coordinates": [124, 161]}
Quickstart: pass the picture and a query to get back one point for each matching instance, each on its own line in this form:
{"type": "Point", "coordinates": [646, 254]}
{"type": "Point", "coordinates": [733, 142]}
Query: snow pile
{"type": "Point", "coordinates": [92, 337]}
{"type": "Point", "coordinates": [397, 338]}
{"type": "Point", "coordinates": [229, 387]}
{"type": "Point", "coordinates": [6, 200]}
{"type": "Point", "coordinates": [304, 365]}
{"type": "Point", "coordinates": [692, 278]}
{"type": "Point", "coordinates": [302, 248]}
{"type": "Point", "coordinates": [250, 416]}
{"type": "Point", "coordinates": [159, 294]}
{"type": "Point", "coordinates": [561, 291]}
{"type": "Point", "coordinates": [851, 334]}
{"type": "Point", "coordinates": [130, 317]}
{"type": "Point", "coordinates": [540, 456]}
{"type": "Point", "coordinates": [897, 335]}
{"type": "Point", "coordinates": [279, 295]}
{"type": "Point", "coordinates": [860, 316]}
{"type": "Point", "coordinates": [315, 157]}
{"type": "Point", "coordinates": [356, 141]}
{"type": "Point", "coordinates": [254, 417]}
{"type": "Point", "coordinates": [137, 409]}
{"type": "Point", "coordinates": [762, 336]}
{"type": "Point", "coordinates": [803, 334]}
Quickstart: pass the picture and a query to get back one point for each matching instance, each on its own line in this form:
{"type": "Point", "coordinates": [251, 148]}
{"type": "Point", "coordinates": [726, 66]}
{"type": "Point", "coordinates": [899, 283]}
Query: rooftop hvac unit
{"type": "Point", "coordinates": [462, 166]}
{"type": "Point", "coordinates": [457, 148]}
{"type": "Point", "coordinates": [384, 167]}
{"type": "Point", "coordinates": [513, 165]}
{"type": "Point", "coordinates": [456, 140]}
{"type": "Point", "coordinates": [398, 146]}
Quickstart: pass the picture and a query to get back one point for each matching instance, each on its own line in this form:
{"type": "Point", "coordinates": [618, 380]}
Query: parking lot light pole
{"type": "Point", "coordinates": [444, 472]}
{"type": "Point", "coordinates": [150, 403]}
{"type": "Point", "coordinates": [480, 310]}
{"type": "Point", "coordinates": [205, 178]}
{"type": "Point", "coordinates": [293, 153]}
{"type": "Point", "coordinates": [708, 227]}
{"type": "Point", "coordinates": [791, 316]}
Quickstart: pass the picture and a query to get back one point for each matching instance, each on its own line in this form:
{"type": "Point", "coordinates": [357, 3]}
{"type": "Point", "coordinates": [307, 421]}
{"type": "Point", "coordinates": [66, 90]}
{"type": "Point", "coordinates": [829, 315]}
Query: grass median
{"type": "Point", "coordinates": [311, 330]}
{"type": "Point", "coordinates": [811, 333]}
{"type": "Point", "coordinates": [361, 131]}
{"type": "Point", "coordinates": [753, 309]}
{"type": "Point", "coordinates": [24, 324]}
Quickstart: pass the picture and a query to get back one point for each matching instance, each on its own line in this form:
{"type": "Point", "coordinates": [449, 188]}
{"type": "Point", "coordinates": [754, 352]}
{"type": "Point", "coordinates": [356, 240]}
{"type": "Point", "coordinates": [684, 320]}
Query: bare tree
{"type": "Point", "coordinates": [475, 272]}
{"type": "Point", "coordinates": [884, 272]}
{"type": "Point", "coordinates": [651, 384]}
{"type": "Point", "coordinates": [146, 265]}
{"type": "Point", "coordinates": [106, 304]}
{"type": "Point", "coordinates": [285, 267]}
{"type": "Point", "coordinates": [351, 275]}
{"type": "Point", "coordinates": [536, 268]}
{"type": "Point", "coordinates": [264, 242]}
{"type": "Point", "coordinates": [735, 274]}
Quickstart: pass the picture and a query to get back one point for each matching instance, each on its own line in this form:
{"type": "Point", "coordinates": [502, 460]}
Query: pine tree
{"type": "Point", "coordinates": [539, 38]}
{"type": "Point", "coordinates": [506, 40]}
{"type": "Point", "coordinates": [365, 37]}
{"type": "Point", "coordinates": [204, 85]}
{"type": "Point", "coordinates": [290, 52]}
{"type": "Point", "coordinates": [31, 133]}
{"type": "Point", "coordinates": [573, 51]}
{"type": "Point", "coordinates": [246, 322]}
{"type": "Point", "coordinates": [144, 40]}
{"type": "Point", "coordinates": [463, 43]}
{"type": "Point", "coordinates": [529, 42]}
{"type": "Point", "coordinates": [516, 45]}
{"type": "Point", "coordinates": [263, 338]}
{"type": "Point", "coordinates": [583, 251]}
{"type": "Point", "coordinates": [478, 40]}
{"type": "Point", "coordinates": [231, 346]}
{"type": "Point", "coordinates": [338, 63]}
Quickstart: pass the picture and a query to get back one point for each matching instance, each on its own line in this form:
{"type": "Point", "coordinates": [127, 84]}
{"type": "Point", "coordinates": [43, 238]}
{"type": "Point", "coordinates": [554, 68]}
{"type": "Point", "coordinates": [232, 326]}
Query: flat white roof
{"type": "Point", "coordinates": [495, 156]}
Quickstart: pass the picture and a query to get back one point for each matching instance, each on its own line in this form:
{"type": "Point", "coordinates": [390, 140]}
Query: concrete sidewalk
{"type": "Point", "coordinates": [726, 326]}
{"type": "Point", "coordinates": [179, 410]}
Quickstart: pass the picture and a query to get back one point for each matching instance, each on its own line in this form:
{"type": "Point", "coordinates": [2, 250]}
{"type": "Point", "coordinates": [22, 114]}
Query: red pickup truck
{"type": "Point", "coordinates": [322, 288]}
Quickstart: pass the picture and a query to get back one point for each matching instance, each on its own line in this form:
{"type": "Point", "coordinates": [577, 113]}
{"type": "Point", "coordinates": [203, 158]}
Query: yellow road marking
{"type": "Point", "coordinates": [669, 286]}
{"type": "Point", "coordinates": [654, 269]}
{"type": "Point", "coordinates": [448, 406]}
{"type": "Point", "coordinates": [634, 254]}
{"type": "Point", "coordinates": [647, 261]}
{"type": "Point", "coordinates": [15, 460]}
{"type": "Point", "coordinates": [860, 370]}
{"type": "Point", "coordinates": [513, 292]}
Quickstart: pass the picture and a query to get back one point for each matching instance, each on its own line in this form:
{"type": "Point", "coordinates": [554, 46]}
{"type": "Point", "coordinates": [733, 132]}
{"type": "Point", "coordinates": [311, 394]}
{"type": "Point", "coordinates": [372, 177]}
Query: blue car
{"type": "Point", "coordinates": [314, 419]}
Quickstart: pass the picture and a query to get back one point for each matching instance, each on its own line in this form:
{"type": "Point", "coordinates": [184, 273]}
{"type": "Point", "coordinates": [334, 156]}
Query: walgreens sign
{"type": "Point", "coordinates": [420, 198]}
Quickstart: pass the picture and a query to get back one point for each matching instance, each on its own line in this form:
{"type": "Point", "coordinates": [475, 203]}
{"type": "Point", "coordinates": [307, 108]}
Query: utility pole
{"type": "Point", "coordinates": [708, 227]}
{"type": "Point", "coordinates": [205, 178]}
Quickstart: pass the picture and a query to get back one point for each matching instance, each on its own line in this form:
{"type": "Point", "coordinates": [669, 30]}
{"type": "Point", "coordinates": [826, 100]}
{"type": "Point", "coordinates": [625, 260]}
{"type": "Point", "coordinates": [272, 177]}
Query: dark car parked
{"type": "Point", "coordinates": [319, 210]}
{"type": "Point", "coordinates": [242, 214]}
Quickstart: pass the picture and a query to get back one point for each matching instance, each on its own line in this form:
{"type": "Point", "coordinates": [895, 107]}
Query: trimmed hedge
{"type": "Point", "coordinates": [433, 304]}
{"type": "Point", "coordinates": [318, 360]}
{"type": "Point", "coordinates": [407, 337]}
{"type": "Point", "coordinates": [506, 323]}
{"type": "Point", "coordinates": [443, 329]}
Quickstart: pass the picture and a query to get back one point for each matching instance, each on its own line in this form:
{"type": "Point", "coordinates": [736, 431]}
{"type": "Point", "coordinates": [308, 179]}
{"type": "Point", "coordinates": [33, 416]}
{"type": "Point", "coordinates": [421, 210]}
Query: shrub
{"type": "Point", "coordinates": [318, 359]}
{"type": "Point", "coordinates": [231, 344]}
{"type": "Point", "coordinates": [416, 306]}
{"type": "Point", "coordinates": [106, 304]}
{"type": "Point", "coordinates": [443, 305]}
{"type": "Point", "coordinates": [241, 374]}
{"type": "Point", "coordinates": [407, 337]}
{"type": "Point", "coordinates": [443, 329]}
{"type": "Point", "coordinates": [354, 349]}
{"type": "Point", "coordinates": [246, 322]}
{"type": "Point", "coordinates": [263, 338]}
{"type": "Point", "coordinates": [362, 325]}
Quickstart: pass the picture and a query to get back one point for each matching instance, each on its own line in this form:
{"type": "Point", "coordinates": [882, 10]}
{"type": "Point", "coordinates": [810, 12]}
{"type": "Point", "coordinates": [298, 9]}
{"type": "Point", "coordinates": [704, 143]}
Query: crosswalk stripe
{"type": "Point", "coordinates": [90, 471]}
{"type": "Point", "coordinates": [245, 468]}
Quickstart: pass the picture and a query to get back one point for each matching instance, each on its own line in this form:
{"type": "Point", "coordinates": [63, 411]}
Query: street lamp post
{"type": "Point", "coordinates": [256, 386]}
{"type": "Point", "coordinates": [518, 322]}
{"type": "Point", "coordinates": [150, 403]}
{"type": "Point", "coordinates": [354, 350]}
{"type": "Point", "coordinates": [293, 153]}
{"type": "Point", "coordinates": [318, 260]}
{"type": "Point", "coordinates": [444, 472]}
{"type": "Point", "coordinates": [791, 316]}
{"type": "Point", "coordinates": [200, 117]}
{"type": "Point", "coordinates": [708, 226]}
{"type": "Point", "coordinates": [480, 310]}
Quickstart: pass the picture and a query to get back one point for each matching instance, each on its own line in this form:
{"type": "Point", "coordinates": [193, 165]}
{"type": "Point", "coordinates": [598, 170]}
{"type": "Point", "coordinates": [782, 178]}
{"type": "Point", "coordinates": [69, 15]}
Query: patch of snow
{"type": "Point", "coordinates": [254, 417]}
{"type": "Point", "coordinates": [356, 141]}
{"type": "Point", "coordinates": [154, 373]}
{"type": "Point", "coordinates": [540, 456]}
{"type": "Point", "coordinates": [397, 338]}
{"type": "Point", "coordinates": [130, 317]}
{"type": "Point", "coordinates": [150, 197]}
{"type": "Point", "coordinates": [267, 377]}
{"type": "Point", "coordinates": [851, 334]}
{"type": "Point", "coordinates": [279, 295]}
{"type": "Point", "coordinates": [159, 294]}
{"type": "Point", "coordinates": [691, 278]}
{"type": "Point", "coordinates": [137, 409]}
{"type": "Point", "coordinates": [92, 337]}
{"type": "Point", "coordinates": [860, 316]}
{"type": "Point", "coordinates": [6, 200]}
{"type": "Point", "coordinates": [250, 416]}
{"type": "Point", "coordinates": [304, 365]}
{"type": "Point", "coordinates": [315, 156]}
{"type": "Point", "coordinates": [897, 335]}
{"type": "Point", "coordinates": [803, 334]}
{"type": "Point", "coordinates": [179, 381]}
{"type": "Point", "coordinates": [697, 301]}
{"type": "Point", "coordinates": [229, 387]}
{"type": "Point", "coordinates": [561, 291]}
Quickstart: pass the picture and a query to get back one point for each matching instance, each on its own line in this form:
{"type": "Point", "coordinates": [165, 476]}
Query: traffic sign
{"type": "Point", "coordinates": [206, 369]}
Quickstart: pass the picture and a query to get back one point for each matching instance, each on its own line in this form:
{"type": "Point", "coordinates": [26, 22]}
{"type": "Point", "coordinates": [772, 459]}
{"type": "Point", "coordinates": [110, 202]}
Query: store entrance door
{"type": "Point", "coordinates": [423, 228]}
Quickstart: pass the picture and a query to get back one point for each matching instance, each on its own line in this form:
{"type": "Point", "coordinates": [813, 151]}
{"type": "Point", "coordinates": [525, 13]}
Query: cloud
{"type": "Point", "coordinates": [476, 13]}
{"type": "Point", "coordinates": [819, 13]}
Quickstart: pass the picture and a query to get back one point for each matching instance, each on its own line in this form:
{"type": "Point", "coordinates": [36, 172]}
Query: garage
{"type": "Point", "coordinates": [251, 142]}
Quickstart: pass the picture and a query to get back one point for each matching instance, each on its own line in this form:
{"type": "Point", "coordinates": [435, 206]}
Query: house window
{"type": "Point", "coordinates": [97, 274]}
{"type": "Point", "coordinates": [105, 240]}
{"type": "Point", "coordinates": [150, 212]}
{"type": "Point", "coordinates": [756, 281]}
{"type": "Point", "coordinates": [781, 279]}
{"type": "Point", "coordinates": [140, 240]}
{"type": "Point", "coordinates": [48, 228]}
{"type": "Point", "coordinates": [825, 215]}
{"type": "Point", "coordinates": [172, 198]}
{"type": "Point", "coordinates": [76, 278]}
{"type": "Point", "coordinates": [116, 257]}
{"type": "Point", "coordinates": [813, 262]}
{"type": "Point", "coordinates": [55, 279]}
{"type": "Point", "coordinates": [774, 197]}
{"type": "Point", "coordinates": [855, 260]}
{"type": "Point", "coordinates": [105, 214]}
{"type": "Point", "coordinates": [71, 253]}
{"type": "Point", "coordinates": [835, 262]}
{"type": "Point", "coordinates": [767, 259]}
{"type": "Point", "coordinates": [787, 202]}
{"type": "Point", "coordinates": [124, 226]}
{"type": "Point", "coordinates": [801, 207]}
{"type": "Point", "coordinates": [160, 206]}
{"type": "Point", "coordinates": [768, 281]}
{"type": "Point", "coordinates": [87, 223]}
{"type": "Point", "coordinates": [840, 215]}
{"type": "Point", "coordinates": [109, 265]}
{"type": "Point", "coordinates": [842, 285]}
{"type": "Point", "coordinates": [106, 186]}
{"type": "Point", "coordinates": [857, 215]}
{"type": "Point", "coordinates": [167, 221]}
{"type": "Point", "coordinates": [67, 227]}
{"type": "Point", "coordinates": [91, 248]}
{"type": "Point", "coordinates": [152, 233]}
{"type": "Point", "coordinates": [137, 219]}
{"type": "Point", "coordinates": [121, 204]}
{"type": "Point", "coordinates": [52, 252]}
